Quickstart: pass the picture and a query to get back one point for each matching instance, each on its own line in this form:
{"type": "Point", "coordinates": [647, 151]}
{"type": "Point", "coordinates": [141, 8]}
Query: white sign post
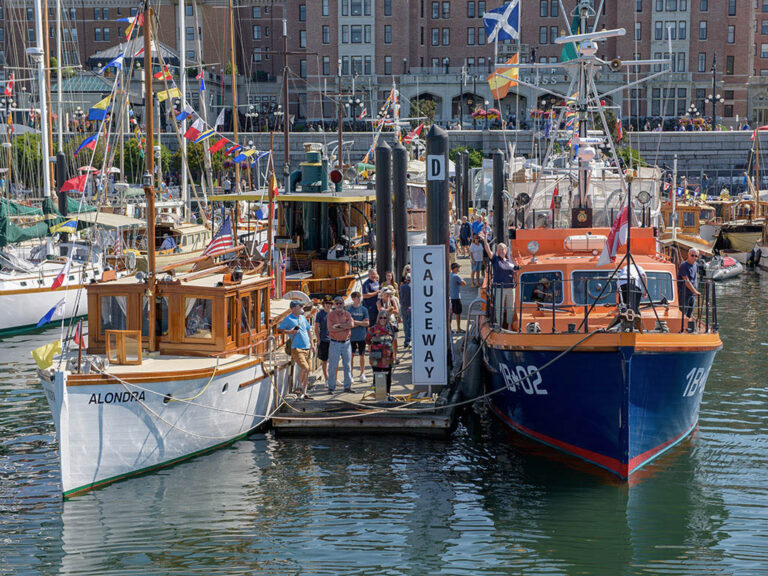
{"type": "Point", "coordinates": [429, 316]}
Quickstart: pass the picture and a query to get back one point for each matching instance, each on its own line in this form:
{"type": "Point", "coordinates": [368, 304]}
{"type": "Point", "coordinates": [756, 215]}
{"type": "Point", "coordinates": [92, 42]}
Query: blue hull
{"type": "Point", "coordinates": [617, 409]}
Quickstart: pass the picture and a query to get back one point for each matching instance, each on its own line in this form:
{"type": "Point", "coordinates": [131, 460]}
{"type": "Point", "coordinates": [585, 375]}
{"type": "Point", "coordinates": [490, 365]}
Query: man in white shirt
{"type": "Point", "coordinates": [476, 252]}
{"type": "Point", "coordinates": [631, 282]}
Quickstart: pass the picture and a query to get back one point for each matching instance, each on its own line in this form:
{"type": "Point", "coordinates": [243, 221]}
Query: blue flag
{"type": "Point", "coordinates": [57, 310]}
{"type": "Point", "coordinates": [503, 23]}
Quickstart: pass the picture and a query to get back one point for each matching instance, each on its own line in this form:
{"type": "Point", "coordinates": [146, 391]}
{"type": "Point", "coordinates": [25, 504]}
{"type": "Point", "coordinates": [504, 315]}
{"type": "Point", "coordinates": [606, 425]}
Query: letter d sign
{"type": "Point", "coordinates": [436, 167]}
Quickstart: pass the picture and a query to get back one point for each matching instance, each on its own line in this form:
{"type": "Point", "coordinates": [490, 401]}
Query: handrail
{"type": "Point", "coordinates": [197, 259]}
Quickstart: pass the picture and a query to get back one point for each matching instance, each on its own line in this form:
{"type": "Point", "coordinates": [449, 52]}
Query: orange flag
{"type": "Point", "coordinates": [499, 84]}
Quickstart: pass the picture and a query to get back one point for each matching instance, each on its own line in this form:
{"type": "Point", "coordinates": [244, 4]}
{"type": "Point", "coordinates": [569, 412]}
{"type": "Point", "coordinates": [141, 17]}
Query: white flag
{"type": "Point", "coordinates": [220, 118]}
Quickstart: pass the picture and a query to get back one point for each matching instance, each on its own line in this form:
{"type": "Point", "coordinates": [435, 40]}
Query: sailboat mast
{"type": "Point", "coordinates": [39, 55]}
{"type": "Point", "coordinates": [203, 107]}
{"type": "Point", "coordinates": [149, 155]}
{"type": "Point", "coordinates": [234, 87]}
{"type": "Point", "coordinates": [47, 61]}
{"type": "Point", "coordinates": [183, 75]}
{"type": "Point", "coordinates": [59, 78]}
{"type": "Point", "coordinates": [286, 109]}
{"type": "Point", "coordinates": [583, 105]}
{"type": "Point", "coordinates": [340, 119]}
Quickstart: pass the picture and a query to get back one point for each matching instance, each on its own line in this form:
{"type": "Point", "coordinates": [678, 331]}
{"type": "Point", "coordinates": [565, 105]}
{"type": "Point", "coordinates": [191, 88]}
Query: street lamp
{"type": "Point", "coordinates": [352, 103]}
{"type": "Point", "coordinates": [486, 114]}
{"type": "Point", "coordinates": [252, 116]}
{"type": "Point", "coordinates": [714, 97]}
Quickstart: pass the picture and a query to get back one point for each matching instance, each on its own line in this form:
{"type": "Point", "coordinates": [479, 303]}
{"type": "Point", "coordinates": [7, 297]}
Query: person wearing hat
{"type": "Point", "coordinates": [388, 303]}
{"type": "Point", "coordinates": [405, 309]}
{"type": "Point", "coordinates": [296, 327]}
{"type": "Point", "coordinates": [542, 293]}
{"type": "Point", "coordinates": [340, 324]}
{"type": "Point", "coordinates": [321, 333]}
{"type": "Point", "coordinates": [455, 282]}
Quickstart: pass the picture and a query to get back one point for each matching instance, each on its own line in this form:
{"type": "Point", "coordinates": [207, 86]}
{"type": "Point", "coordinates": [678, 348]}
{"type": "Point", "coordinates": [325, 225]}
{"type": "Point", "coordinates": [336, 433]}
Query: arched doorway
{"type": "Point", "coordinates": [426, 105]}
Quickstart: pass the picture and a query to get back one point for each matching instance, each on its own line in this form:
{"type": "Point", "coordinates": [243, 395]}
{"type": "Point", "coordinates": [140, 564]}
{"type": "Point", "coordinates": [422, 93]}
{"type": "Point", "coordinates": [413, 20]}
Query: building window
{"type": "Point", "coordinates": [728, 110]}
{"type": "Point", "coordinates": [544, 8]}
{"type": "Point", "coordinates": [655, 101]}
{"type": "Point", "coordinates": [326, 66]}
{"type": "Point", "coordinates": [356, 34]}
{"type": "Point", "coordinates": [702, 62]}
{"type": "Point", "coordinates": [552, 34]}
{"type": "Point", "coordinates": [671, 5]}
{"type": "Point", "coordinates": [345, 8]}
{"type": "Point", "coordinates": [302, 38]}
{"type": "Point", "coordinates": [638, 5]}
{"type": "Point", "coordinates": [367, 34]}
{"type": "Point", "coordinates": [188, 10]}
{"type": "Point", "coordinates": [731, 7]}
{"type": "Point", "coordinates": [446, 10]}
{"type": "Point", "coordinates": [728, 95]}
{"type": "Point", "coordinates": [481, 36]}
{"type": "Point", "coordinates": [326, 10]}
{"type": "Point", "coordinates": [388, 65]}
{"type": "Point", "coordinates": [470, 36]}
{"type": "Point", "coordinates": [256, 56]}
{"type": "Point", "coordinates": [703, 5]}
{"type": "Point", "coordinates": [345, 65]}
{"type": "Point", "coordinates": [554, 9]}
{"type": "Point", "coordinates": [480, 63]}
{"type": "Point", "coordinates": [367, 7]}
{"type": "Point", "coordinates": [421, 35]}
{"type": "Point", "coordinates": [303, 68]}
{"type": "Point", "coordinates": [729, 64]}
{"type": "Point", "coordinates": [367, 69]}
{"type": "Point", "coordinates": [659, 30]}
{"type": "Point", "coordinates": [256, 33]}
{"type": "Point", "coordinates": [471, 9]}
{"type": "Point", "coordinates": [435, 10]}
{"type": "Point", "coordinates": [345, 34]}
{"type": "Point", "coordinates": [638, 31]}
{"type": "Point", "coordinates": [435, 36]}
{"type": "Point", "coordinates": [683, 5]}
{"type": "Point", "coordinates": [543, 35]}
{"type": "Point", "coordinates": [97, 35]}
{"type": "Point", "coordinates": [326, 34]}
{"type": "Point", "coordinates": [387, 34]}
{"type": "Point", "coordinates": [763, 50]}
{"type": "Point", "coordinates": [446, 36]}
{"type": "Point", "coordinates": [671, 30]}
{"type": "Point", "coordinates": [731, 34]}
{"type": "Point", "coordinates": [681, 59]}
{"type": "Point", "coordinates": [681, 30]}
{"type": "Point", "coordinates": [470, 64]}
{"type": "Point", "coordinates": [703, 30]}
{"type": "Point", "coordinates": [266, 32]}
{"type": "Point", "coordinates": [480, 9]}
{"type": "Point", "coordinates": [387, 7]}
{"type": "Point", "coordinates": [302, 12]}
{"type": "Point", "coordinates": [764, 27]}
{"type": "Point", "coordinates": [659, 5]}
{"type": "Point", "coordinates": [765, 6]}
{"type": "Point", "coordinates": [356, 8]}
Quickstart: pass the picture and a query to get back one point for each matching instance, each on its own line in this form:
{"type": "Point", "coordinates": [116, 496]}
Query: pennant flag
{"type": "Point", "coordinates": [184, 114]}
{"type": "Point", "coordinates": [503, 23]}
{"type": "Point", "coordinates": [233, 149]}
{"type": "Point", "coordinates": [134, 21]}
{"type": "Point", "coordinates": [202, 84]}
{"type": "Point", "coordinates": [200, 75]}
{"type": "Point", "coordinates": [259, 157]}
{"type": "Point", "coordinates": [68, 227]}
{"type": "Point", "coordinates": [218, 145]}
{"type": "Point", "coordinates": [222, 240]}
{"type": "Point", "coordinates": [263, 248]}
{"type": "Point", "coordinates": [114, 63]}
{"type": "Point", "coordinates": [9, 86]}
{"type": "Point", "coordinates": [63, 277]}
{"type": "Point", "coordinates": [164, 74]}
{"type": "Point", "coordinates": [364, 113]}
{"type": "Point", "coordinates": [205, 135]}
{"type": "Point", "coordinates": [43, 356]}
{"type": "Point", "coordinates": [220, 118]}
{"type": "Point", "coordinates": [76, 184]}
{"type": "Point", "coordinates": [569, 50]}
{"type": "Point", "coordinates": [244, 155]}
{"type": "Point", "coordinates": [56, 311]}
{"type": "Point", "coordinates": [761, 129]}
{"type": "Point", "coordinates": [552, 202]}
{"type": "Point", "coordinates": [504, 78]}
{"type": "Point", "coordinates": [165, 94]}
{"type": "Point", "coordinates": [411, 135]}
{"type": "Point", "coordinates": [100, 109]}
{"type": "Point", "coordinates": [273, 189]}
{"type": "Point", "coordinates": [616, 237]}
{"type": "Point", "coordinates": [619, 131]}
{"type": "Point", "coordinates": [78, 336]}
{"type": "Point", "coordinates": [194, 131]}
{"type": "Point", "coordinates": [89, 143]}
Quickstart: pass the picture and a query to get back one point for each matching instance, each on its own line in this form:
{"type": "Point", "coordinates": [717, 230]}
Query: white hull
{"type": "Point", "coordinates": [110, 431]}
{"type": "Point", "coordinates": [727, 272]}
{"type": "Point", "coordinates": [709, 232]}
{"type": "Point", "coordinates": [25, 299]}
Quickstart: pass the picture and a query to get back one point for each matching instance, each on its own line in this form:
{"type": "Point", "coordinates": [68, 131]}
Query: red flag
{"type": "Point", "coordinates": [194, 131]}
{"type": "Point", "coordinates": [61, 278]}
{"type": "Point", "coordinates": [164, 74]}
{"type": "Point", "coordinates": [78, 337]}
{"type": "Point", "coordinates": [218, 145]}
{"type": "Point", "coordinates": [413, 133]}
{"type": "Point", "coordinates": [199, 75]}
{"type": "Point", "coordinates": [77, 183]}
{"type": "Point", "coordinates": [9, 86]}
{"type": "Point", "coordinates": [616, 237]}
{"type": "Point", "coordinates": [761, 129]}
{"type": "Point", "coordinates": [552, 203]}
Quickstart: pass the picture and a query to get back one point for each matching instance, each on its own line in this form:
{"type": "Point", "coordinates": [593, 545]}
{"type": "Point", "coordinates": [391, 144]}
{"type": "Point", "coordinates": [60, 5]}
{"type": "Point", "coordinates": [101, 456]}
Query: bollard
{"type": "Point", "coordinates": [499, 226]}
{"type": "Point", "coordinates": [400, 213]}
{"type": "Point", "coordinates": [467, 192]}
{"type": "Point", "coordinates": [61, 176]}
{"type": "Point", "coordinates": [457, 188]}
{"type": "Point", "coordinates": [383, 208]}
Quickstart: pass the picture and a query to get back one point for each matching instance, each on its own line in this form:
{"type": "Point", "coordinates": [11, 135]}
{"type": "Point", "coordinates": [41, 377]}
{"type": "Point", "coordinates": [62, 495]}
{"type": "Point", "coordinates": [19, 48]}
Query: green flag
{"type": "Point", "coordinates": [569, 50]}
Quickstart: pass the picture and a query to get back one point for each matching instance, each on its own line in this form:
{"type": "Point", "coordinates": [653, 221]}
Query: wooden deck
{"type": "Point", "coordinates": [410, 412]}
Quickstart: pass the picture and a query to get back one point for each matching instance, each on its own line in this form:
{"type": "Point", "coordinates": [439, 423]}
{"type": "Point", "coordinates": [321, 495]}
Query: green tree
{"type": "Point", "coordinates": [423, 109]}
{"type": "Point", "coordinates": [475, 156]}
{"type": "Point", "coordinates": [196, 160]}
{"type": "Point", "coordinates": [228, 68]}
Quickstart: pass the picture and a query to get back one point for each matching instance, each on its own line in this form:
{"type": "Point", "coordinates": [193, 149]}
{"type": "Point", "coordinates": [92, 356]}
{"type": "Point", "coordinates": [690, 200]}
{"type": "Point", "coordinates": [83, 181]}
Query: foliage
{"type": "Point", "coordinates": [228, 68]}
{"type": "Point", "coordinates": [626, 153]}
{"type": "Point", "coordinates": [475, 156]}
{"type": "Point", "coordinates": [423, 109]}
{"type": "Point", "coordinates": [196, 160]}
{"type": "Point", "coordinates": [27, 150]}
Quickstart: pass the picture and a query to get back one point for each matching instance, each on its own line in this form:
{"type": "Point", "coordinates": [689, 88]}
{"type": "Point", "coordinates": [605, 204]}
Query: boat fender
{"type": "Point", "coordinates": [533, 328]}
{"type": "Point", "coordinates": [473, 374]}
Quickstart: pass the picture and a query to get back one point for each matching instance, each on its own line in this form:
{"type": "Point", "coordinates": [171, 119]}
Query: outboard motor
{"type": "Point", "coordinates": [753, 260]}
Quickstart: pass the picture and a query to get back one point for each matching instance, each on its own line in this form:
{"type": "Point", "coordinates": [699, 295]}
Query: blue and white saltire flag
{"type": "Point", "coordinates": [56, 311]}
{"type": "Point", "coordinates": [184, 114]}
{"type": "Point", "coordinates": [115, 63]}
{"type": "Point", "coordinates": [503, 23]}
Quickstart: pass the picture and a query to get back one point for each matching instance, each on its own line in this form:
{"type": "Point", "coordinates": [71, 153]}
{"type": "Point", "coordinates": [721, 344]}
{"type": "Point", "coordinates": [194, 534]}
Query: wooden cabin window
{"type": "Point", "coordinates": [689, 219]}
{"type": "Point", "coordinates": [230, 312]}
{"type": "Point", "coordinates": [198, 318]}
{"type": "Point", "coordinates": [257, 321]}
{"type": "Point", "coordinates": [161, 316]}
{"type": "Point", "coordinates": [113, 313]}
{"type": "Point", "coordinates": [246, 324]}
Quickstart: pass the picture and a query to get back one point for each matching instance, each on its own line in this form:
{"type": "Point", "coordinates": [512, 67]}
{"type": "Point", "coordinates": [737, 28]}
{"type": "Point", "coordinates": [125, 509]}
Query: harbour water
{"type": "Point", "coordinates": [395, 505]}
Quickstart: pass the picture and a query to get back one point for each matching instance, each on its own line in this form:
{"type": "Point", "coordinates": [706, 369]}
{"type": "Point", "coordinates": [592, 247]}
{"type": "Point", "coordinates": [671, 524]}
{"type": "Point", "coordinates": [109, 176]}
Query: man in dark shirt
{"type": "Point", "coordinates": [322, 335]}
{"type": "Point", "coordinates": [371, 289]}
{"type": "Point", "coordinates": [504, 281]}
{"type": "Point", "coordinates": [405, 309]}
{"type": "Point", "coordinates": [687, 274]}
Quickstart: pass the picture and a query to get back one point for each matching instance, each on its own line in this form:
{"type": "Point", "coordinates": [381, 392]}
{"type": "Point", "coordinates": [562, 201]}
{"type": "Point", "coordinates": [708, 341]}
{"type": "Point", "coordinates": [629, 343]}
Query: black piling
{"type": "Point", "coordinates": [400, 213]}
{"type": "Point", "coordinates": [383, 208]}
{"type": "Point", "coordinates": [61, 176]}
{"type": "Point", "coordinates": [465, 183]}
{"type": "Point", "coordinates": [458, 188]}
{"type": "Point", "coordinates": [499, 227]}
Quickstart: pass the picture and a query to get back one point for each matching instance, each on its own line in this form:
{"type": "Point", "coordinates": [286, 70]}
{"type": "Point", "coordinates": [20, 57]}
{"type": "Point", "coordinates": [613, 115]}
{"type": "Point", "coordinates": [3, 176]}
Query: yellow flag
{"type": "Point", "coordinates": [165, 94]}
{"type": "Point", "coordinates": [504, 78]}
{"type": "Point", "coordinates": [44, 355]}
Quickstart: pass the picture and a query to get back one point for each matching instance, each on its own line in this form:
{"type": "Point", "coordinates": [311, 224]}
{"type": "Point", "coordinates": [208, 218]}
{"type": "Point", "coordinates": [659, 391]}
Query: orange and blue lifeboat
{"type": "Point", "coordinates": [569, 370]}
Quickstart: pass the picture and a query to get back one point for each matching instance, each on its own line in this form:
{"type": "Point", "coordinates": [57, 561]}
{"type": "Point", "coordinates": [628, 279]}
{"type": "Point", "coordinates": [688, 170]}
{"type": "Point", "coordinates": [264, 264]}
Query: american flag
{"type": "Point", "coordinates": [221, 241]}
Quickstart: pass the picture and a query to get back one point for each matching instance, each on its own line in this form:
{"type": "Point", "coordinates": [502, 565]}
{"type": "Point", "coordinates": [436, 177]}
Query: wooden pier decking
{"type": "Point", "coordinates": [411, 412]}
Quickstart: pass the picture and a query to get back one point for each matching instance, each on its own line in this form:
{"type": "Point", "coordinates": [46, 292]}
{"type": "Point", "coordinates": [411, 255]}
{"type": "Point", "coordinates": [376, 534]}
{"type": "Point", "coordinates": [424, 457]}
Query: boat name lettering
{"type": "Point", "coordinates": [529, 379]}
{"type": "Point", "coordinates": [696, 379]}
{"type": "Point", "coordinates": [116, 397]}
